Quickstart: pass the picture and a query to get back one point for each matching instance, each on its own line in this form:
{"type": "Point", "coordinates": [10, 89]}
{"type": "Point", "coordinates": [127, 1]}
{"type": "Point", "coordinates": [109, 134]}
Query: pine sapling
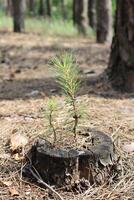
{"type": "Point", "coordinates": [50, 113]}
{"type": "Point", "coordinates": [68, 79]}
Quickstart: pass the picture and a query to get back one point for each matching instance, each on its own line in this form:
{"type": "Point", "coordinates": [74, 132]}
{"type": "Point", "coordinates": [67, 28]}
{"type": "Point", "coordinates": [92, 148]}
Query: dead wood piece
{"type": "Point", "coordinates": [62, 167]}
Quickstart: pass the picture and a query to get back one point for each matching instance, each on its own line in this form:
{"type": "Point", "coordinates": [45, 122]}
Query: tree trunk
{"type": "Point", "coordinates": [32, 6]}
{"type": "Point", "coordinates": [63, 9]}
{"type": "Point", "coordinates": [121, 64]}
{"type": "Point", "coordinates": [92, 13]}
{"type": "Point", "coordinates": [41, 7]}
{"type": "Point", "coordinates": [48, 6]}
{"type": "Point", "coordinates": [74, 12]}
{"type": "Point", "coordinates": [80, 15]}
{"type": "Point", "coordinates": [104, 21]}
{"type": "Point", "coordinates": [9, 9]}
{"type": "Point", "coordinates": [18, 15]}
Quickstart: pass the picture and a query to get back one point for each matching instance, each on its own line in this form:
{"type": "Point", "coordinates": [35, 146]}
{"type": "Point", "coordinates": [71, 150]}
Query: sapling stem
{"type": "Point", "coordinates": [50, 115]}
{"type": "Point", "coordinates": [75, 116]}
{"type": "Point", "coordinates": [52, 126]}
{"type": "Point", "coordinates": [67, 78]}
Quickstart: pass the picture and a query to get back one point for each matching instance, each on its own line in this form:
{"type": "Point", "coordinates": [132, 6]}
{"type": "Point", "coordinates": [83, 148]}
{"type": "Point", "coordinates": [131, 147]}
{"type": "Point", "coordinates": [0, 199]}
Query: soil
{"type": "Point", "coordinates": [26, 83]}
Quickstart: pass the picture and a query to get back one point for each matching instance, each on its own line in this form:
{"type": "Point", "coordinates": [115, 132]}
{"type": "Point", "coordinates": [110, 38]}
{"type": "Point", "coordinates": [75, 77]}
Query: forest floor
{"type": "Point", "coordinates": [26, 83]}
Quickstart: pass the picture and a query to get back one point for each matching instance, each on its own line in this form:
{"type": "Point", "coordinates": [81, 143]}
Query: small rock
{"type": "Point", "coordinates": [33, 93]}
{"type": "Point", "coordinates": [53, 90]}
{"type": "Point", "coordinates": [88, 72]}
{"type": "Point", "coordinates": [129, 147]}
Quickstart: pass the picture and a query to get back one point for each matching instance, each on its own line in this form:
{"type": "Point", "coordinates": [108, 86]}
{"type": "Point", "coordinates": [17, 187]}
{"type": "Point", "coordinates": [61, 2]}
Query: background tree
{"type": "Point", "coordinates": [18, 15]}
{"type": "Point", "coordinates": [9, 10]}
{"type": "Point", "coordinates": [48, 8]}
{"type": "Point", "coordinates": [31, 4]}
{"type": "Point", "coordinates": [104, 21]}
{"type": "Point", "coordinates": [80, 15]}
{"type": "Point", "coordinates": [92, 13]}
{"type": "Point", "coordinates": [63, 9]}
{"type": "Point", "coordinates": [121, 64]}
{"type": "Point", "coordinates": [41, 7]}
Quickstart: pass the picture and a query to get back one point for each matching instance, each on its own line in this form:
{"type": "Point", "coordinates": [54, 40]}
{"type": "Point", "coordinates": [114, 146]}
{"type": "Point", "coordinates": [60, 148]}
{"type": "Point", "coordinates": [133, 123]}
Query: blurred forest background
{"type": "Point", "coordinates": [55, 16]}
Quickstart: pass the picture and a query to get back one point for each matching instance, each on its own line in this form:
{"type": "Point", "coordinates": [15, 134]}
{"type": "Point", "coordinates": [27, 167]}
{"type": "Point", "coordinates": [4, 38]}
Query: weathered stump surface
{"type": "Point", "coordinates": [62, 167]}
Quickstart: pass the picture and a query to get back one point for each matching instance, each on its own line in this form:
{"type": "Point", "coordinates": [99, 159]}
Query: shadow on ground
{"type": "Point", "coordinates": [25, 58]}
{"type": "Point", "coordinates": [37, 88]}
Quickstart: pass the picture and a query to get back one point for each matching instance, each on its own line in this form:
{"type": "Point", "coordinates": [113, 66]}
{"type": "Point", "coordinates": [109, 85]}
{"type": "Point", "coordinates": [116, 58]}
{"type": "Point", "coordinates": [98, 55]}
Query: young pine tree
{"type": "Point", "coordinates": [68, 79]}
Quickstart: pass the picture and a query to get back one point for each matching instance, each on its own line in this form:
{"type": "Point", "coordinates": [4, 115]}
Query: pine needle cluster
{"type": "Point", "coordinates": [68, 79]}
{"type": "Point", "coordinates": [67, 72]}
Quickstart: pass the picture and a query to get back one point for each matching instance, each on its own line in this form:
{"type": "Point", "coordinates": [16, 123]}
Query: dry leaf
{"type": "Point", "coordinates": [14, 131]}
{"type": "Point", "coordinates": [6, 183]}
{"type": "Point", "coordinates": [18, 157]}
{"type": "Point", "coordinates": [129, 147]}
{"type": "Point", "coordinates": [17, 141]}
{"type": "Point", "coordinates": [13, 192]}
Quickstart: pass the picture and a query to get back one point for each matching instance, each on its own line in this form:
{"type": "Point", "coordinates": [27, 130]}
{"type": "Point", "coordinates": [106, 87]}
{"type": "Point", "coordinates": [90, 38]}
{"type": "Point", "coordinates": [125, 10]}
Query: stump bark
{"type": "Point", "coordinates": [73, 167]}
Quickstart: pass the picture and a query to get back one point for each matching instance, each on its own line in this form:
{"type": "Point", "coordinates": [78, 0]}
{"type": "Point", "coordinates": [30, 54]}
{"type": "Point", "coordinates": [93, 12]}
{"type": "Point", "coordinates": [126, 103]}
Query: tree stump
{"type": "Point", "coordinates": [72, 167]}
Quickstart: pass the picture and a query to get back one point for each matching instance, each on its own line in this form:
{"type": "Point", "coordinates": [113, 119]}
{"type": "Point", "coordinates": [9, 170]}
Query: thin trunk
{"type": "Point", "coordinates": [121, 63]}
{"type": "Point", "coordinates": [32, 6]}
{"type": "Point", "coordinates": [9, 9]}
{"type": "Point", "coordinates": [80, 15]}
{"type": "Point", "coordinates": [104, 21]}
{"type": "Point", "coordinates": [63, 9]}
{"type": "Point", "coordinates": [92, 13]}
{"type": "Point", "coordinates": [74, 12]}
{"type": "Point", "coordinates": [48, 6]}
{"type": "Point", "coordinates": [18, 15]}
{"type": "Point", "coordinates": [41, 7]}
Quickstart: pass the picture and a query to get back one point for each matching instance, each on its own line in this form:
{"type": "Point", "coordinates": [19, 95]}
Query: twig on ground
{"type": "Point", "coordinates": [45, 184]}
